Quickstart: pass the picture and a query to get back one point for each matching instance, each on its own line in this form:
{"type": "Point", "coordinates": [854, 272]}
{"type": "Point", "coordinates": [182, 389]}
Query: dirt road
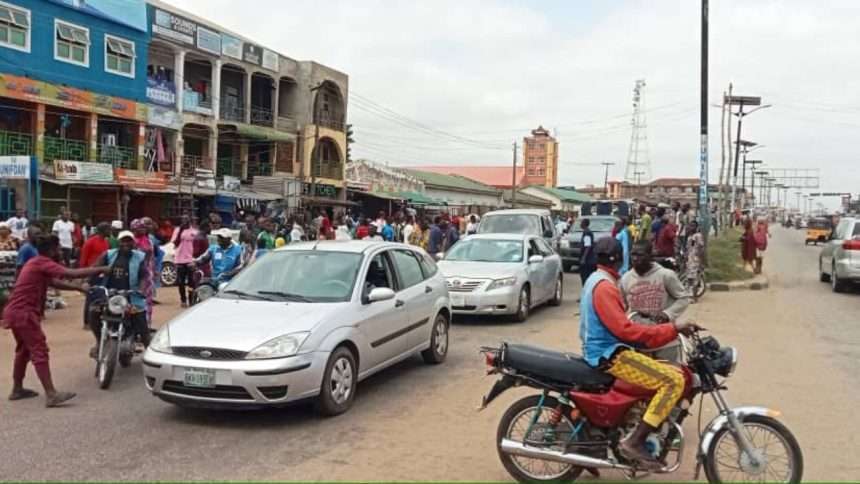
{"type": "Point", "coordinates": [799, 346]}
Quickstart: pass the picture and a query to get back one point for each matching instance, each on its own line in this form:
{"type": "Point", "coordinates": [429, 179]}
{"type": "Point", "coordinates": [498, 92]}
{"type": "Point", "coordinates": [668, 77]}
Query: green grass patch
{"type": "Point", "coordinates": [724, 258]}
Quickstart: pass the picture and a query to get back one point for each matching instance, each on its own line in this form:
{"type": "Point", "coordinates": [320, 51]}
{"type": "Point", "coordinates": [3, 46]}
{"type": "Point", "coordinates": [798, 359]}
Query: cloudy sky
{"type": "Point", "coordinates": [452, 81]}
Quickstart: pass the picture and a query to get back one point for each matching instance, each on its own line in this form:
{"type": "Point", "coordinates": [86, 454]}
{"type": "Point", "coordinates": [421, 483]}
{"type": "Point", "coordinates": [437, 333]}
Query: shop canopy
{"type": "Point", "coordinates": [416, 198]}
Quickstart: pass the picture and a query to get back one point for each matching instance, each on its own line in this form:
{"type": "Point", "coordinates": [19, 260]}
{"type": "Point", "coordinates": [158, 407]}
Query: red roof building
{"type": "Point", "coordinates": [495, 176]}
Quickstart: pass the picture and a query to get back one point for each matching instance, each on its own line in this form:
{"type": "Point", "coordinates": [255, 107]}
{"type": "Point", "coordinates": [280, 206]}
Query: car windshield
{"type": "Point", "coordinates": [486, 250]}
{"type": "Point", "coordinates": [599, 225]}
{"type": "Point", "coordinates": [510, 224]}
{"type": "Point", "coordinates": [300, 276]}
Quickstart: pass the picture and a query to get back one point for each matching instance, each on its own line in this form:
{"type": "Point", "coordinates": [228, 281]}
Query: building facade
{"type": "Point", "coordinates": [137, 100]}
{"type": "Point", "coordinates": [540, 157]}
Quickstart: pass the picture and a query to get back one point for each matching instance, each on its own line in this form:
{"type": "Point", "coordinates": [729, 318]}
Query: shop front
{"type": "Point", "coordinates": [83, 188]}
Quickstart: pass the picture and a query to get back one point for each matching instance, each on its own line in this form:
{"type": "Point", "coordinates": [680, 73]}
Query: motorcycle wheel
{"type": "Point", "coordinates": [517, 419]}
{"type": "Point", "coordinates": [107, 363]}
{"type": "Point", "coordinates": [724, 460]}
{"type": "Point", "coordinates": [126, 354]}
{"type": "Point", "coordinates": [700, 286]}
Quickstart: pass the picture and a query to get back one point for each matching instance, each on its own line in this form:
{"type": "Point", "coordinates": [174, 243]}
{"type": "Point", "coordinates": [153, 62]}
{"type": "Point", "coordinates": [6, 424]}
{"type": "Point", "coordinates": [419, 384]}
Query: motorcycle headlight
{"type": "Point", "coordinates": [725, 361]}
{"type": "Point", "coordinates": [280, 347]}
{"type": "Point", "coordinates": [500, 283]}
{"type": "Point", "coordinates": [117, 304]}
{"type": "Point", "coordinates": [161, 341]}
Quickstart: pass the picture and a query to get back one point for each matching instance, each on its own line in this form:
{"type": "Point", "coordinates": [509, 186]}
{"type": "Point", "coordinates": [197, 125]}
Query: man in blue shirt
{"type": "Point", "coordinates": [436, 237]}
{"type": "Point", "coordinates": [225, 256]}
{"type": "Point", "coordinates": [28, 250]}
{"type": "Point", "coordinates": [623, 236]}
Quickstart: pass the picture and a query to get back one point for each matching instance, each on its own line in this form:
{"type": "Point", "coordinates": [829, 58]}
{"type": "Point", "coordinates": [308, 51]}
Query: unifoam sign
{"type": "Point", "coordinates": [15, 167]}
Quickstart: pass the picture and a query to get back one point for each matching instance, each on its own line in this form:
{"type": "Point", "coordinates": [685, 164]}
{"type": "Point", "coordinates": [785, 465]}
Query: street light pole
{"type": "Point", "coordinates": [514, 179]}
{"type": "Point", "coordinates": [704, 212]}
{"type": "Point", "coordinates": [606, 166]}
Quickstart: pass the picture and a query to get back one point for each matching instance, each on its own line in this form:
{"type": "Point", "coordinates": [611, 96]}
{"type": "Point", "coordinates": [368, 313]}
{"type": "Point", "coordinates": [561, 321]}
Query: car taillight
{"type": "Point", "coordinates": [851, 245]}
{"type": "Point", "coordinates": [490, 358]}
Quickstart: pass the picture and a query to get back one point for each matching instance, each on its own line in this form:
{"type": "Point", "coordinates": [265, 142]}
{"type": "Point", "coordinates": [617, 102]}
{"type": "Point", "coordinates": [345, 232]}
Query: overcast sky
{"type": "Point", "coordinates": [481, 73]}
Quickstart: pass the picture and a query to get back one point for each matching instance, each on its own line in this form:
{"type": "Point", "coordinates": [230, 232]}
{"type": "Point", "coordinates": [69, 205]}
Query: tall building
{"type": "Point", "coordinates": [540, 157]}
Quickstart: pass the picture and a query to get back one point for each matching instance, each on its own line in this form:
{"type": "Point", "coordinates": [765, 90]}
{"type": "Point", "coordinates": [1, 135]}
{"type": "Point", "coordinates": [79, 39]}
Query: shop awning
{"type": "Point", "coordinates": [262, 132]}
{"type": "Point", "coordinates": [382, 195]}
{"type": "Point", "coordinates": [81, 183]}
{"type": "Point", "coordinates": [416, 198]}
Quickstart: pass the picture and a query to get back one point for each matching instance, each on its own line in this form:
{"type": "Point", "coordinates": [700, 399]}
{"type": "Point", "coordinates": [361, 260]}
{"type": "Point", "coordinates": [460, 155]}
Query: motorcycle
{"type": "Point", "coordinates": [577, 420]}
{"type": "Point", "coordinates": [118, 336]}
{"type": "Point", "coordinates": [695, 283]}
{"type": "Point", "coordinates": [204, 287]}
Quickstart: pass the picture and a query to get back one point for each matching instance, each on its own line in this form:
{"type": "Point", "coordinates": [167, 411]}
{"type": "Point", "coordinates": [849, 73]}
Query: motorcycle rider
{"type": "Point", "coordinates": [127, 272]}
{"type": "Point", "coordinates": [225, 256]}
{"type": "Point", "coordinates": [608, 341]}
{"type": "Point", "coordinates": [655, 293]}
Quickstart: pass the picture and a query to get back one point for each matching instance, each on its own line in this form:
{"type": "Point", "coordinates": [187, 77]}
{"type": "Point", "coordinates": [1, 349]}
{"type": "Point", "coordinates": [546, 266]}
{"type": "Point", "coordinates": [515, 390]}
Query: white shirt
{"type": "Point", "coordinates": [296, 234]}
{"type": "Point", "coordinates": [342, 233]}
{"type": "Point", "coordinates": [407, 232]}
{"type": "Point", "coordinates": [375, 237]}
{"type": "Point", "coordinates": [561, 227]}
{"type": "Point", "coordinates": [64, 232]}
{"type": "Point", "coordinates": [471, 228]}
{"type": "Point", "coordinates": [19, 227]}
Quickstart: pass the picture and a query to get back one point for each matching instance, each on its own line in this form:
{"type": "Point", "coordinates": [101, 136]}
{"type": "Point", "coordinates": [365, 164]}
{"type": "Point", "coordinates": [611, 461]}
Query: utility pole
{"type": "Point", "coordinates": [315, 158]}
{"type": "Point", "coordinates": [721, 186]}
{"type": "Point", "coordinates": [704, 212]}
{"type": "Point", "coordinates": [638, 175]}
{"type": "Point", "coordinates": [754, 163]}
{"type": "Point", "coordinates": [514, 179]}
{"type": "Point", "coordinates": [606, 166]}
{"type": "Point", "coordinates": [729, 203]}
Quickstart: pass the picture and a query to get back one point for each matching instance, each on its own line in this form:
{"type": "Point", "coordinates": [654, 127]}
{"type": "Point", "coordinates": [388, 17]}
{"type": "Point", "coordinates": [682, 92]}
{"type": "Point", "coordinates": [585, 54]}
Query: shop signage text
{"type": "Point", "coordinates": [83, 171]}
{"type": "Point", "coordinates": [231, 46]}
{"type": "Point", "coordinates": [322, 190]}
{"type": "Point", "coordinates": [15, 167]}
{"type": "Point", "coordinates": [208, 40]}
{"type": "Point", "coordinates": [161, 91]}
{"type": "Point", "coordinates": [141, 179]}
{"type": "Point", "coordinates": [174, 27]}
{"type": "Point", "coordinates": [252, 54]}
{"type": "Point", "coordinates": [270, 60]}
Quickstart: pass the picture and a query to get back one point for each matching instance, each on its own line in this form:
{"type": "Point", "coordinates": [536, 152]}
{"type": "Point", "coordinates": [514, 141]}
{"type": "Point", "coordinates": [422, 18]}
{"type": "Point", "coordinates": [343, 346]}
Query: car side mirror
{"type": "Point", "coordinates": [535, 259]}
{"type": "Point", "coordinates": [440, 255]}
{"type": "Point", "coordinates": [222, 286]}
{"type": "Point", "coordinates": [380, 294]}
{"type": "Point", "coordinates": [548, 234]}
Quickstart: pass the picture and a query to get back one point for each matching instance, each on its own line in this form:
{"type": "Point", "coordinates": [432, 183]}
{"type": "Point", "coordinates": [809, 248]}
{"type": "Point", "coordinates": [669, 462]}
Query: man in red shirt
{"type": "Point", "coordinates": [23, 313]}
{"type": "Point", "coordinates": [96, 245]}
{"type": "Point", "coordinates": [665, 242]}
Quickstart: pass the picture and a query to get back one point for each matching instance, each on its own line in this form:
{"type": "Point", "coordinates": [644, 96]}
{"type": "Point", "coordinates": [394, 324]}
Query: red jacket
{"type": "Point", "coordinates": [93, 248]}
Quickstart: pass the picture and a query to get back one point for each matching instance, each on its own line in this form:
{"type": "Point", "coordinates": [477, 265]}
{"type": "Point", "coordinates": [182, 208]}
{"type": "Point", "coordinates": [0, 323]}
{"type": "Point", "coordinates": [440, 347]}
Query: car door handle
{"type": "Point", "coordinates": [428, 290]}
{"type": "Point", "coordinates": [398, 303]}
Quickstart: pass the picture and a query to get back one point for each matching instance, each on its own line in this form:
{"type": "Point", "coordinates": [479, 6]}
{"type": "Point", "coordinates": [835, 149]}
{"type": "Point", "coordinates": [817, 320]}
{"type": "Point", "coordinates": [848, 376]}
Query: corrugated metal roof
{"type": "Point", "coordinates": [495, 176]}
{"type": "Point", "coordinates": [454, 182]}
{"type": "Point", "coordinates": [566, 195]}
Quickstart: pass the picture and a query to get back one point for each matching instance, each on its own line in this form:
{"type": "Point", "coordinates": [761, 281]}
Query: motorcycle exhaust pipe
{"type": "Point", "coordinates": [518, 448]}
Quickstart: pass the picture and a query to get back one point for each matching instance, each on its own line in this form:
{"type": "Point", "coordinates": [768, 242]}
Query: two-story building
{"type": "Point", "coordinates": [72, 82]}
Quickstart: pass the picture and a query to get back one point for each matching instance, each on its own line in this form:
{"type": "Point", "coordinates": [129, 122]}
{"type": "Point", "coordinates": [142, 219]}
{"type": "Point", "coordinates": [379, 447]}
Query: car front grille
{"type": "Point", "coordinates": [463, 285]}
{"type": "Point", "coordinates": [213, 354]}
{"type": "Point", "coordinates": [273, 393]}
{"type": "Point", "coordinates": [225, 392]}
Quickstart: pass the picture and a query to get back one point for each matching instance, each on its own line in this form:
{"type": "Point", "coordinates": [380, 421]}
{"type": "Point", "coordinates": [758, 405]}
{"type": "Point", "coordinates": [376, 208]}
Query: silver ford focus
{"type": "Point", "coordinates": [502, 274]}
{"type": "Point", "coordinates": [308, 320]}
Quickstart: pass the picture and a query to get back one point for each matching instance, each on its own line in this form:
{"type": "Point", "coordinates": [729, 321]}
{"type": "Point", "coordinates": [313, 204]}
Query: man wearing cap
{"type": "Point", "coordinates": [608, 342]}
{"type": "Point", "coordinates": [127, 271]}
{"type": "Point", "coordinates": [115, 229]}
{"type": "Point", "coordinates": [225, 256]}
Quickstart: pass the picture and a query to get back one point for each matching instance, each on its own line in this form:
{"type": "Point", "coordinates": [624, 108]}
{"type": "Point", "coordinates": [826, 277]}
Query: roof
{"type": "Point", "coordinates": [354, 246]}
{"type": "Point", "coordinates": [452, 182]}
{"type": "Point", "coordinates": [417, 198]}
{"type": "Point", "coordinates": [496, 176]}
{"type": "Point", "coordinates": [519, 211]}
{"type": "Point", "coordinates": [500, 236]}
{"type": "Point", "coordinates": [665, 182]}
{"type": "Point", "coordinates": [526, 198]}
{"type": "Point", "coordinates": [566, 195]}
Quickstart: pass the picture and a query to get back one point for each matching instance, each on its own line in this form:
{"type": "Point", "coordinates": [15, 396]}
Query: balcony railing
{"type": "Point", "coordinates": [190, 164]}
{"type": "Point", "coordinates": [65, 149]}
{"type": "Point", "coordinates": [118, 156]}
{"type": "Point", "coordinates": [261, 116]}
{"type": "Point", "coordinates": [233, 112]}
{"type": "Point", "coordinates": [259, 168]}
{"type": "Point", "coordinates": [193, 103]}
{"type": "Point", "coordinates": [13, 143]}
{"type": "Point", "coordinates": [286, 123]}
{"type": "Point", "coordinates": [329, 121]}
{"type": "Point", "coordinates": [229, 166]}
{"type": "Point", "coordinates": [329, 169]}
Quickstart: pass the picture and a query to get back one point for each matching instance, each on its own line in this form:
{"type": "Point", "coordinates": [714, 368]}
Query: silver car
{"type": "Point", "coordinates": [308, 320]}
{"type": "Point", "coordinates": [839, 262]}
{"type": "Point", "coordinates": [502, 274]}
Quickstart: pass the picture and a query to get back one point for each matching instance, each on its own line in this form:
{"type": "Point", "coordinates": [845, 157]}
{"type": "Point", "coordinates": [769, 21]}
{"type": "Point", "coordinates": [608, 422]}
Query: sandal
{"type": "Point", "coordinates": [59, 398]}
{"type": "Point", "coordinates": [23, 394]}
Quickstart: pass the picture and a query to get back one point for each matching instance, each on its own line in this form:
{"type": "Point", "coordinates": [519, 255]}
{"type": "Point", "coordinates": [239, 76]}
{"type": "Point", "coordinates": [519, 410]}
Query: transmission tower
{"type": "Point", "coordinates": [638, 160]}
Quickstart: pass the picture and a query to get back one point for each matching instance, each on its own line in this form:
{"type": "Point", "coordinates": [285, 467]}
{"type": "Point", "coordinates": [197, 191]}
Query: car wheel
{"type": "Point", "coordinates": [822, 276]}
{"type": "Point", "coordinates": [559, 291]}
{"type": "Point", "coordinates": [523, 305]}
{"type": "Point", "coordinates": [835, 283]}
{"type": "Point", "coordinates": [438, 349]}
{"type": "Point", "coordinates": [168, 274]}
{"type": "Point", "coordinates": [340, 378]}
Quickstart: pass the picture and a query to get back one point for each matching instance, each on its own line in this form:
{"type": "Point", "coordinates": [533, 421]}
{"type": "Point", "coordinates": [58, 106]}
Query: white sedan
{"type": "Point", "coordinates": [502, 274]}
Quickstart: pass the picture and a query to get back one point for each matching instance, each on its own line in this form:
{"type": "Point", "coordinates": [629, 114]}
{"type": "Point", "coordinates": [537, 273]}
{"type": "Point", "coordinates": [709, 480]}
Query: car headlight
{"type": "Point", "coordinates": [565, 244]}
{"type": "Point", "coordinates": [280, 347]}
{"type": "Point", "coordinates": [161, 341]}
{"type": "Point", "coordinates": [500, 283]}
{"type": "Point", "coordinates": [117, 304]}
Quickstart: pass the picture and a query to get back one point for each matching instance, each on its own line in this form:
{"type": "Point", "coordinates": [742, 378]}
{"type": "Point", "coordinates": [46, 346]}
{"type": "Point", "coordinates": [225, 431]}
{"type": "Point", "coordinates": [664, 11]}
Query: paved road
{"type": "Point", "coordinates": [799, 345]}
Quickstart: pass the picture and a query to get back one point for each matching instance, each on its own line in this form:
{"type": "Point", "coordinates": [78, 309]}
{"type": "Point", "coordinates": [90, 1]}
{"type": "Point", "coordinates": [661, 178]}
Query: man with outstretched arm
{"type": "Point", "coordinates": [22, 316]}
{"type": "Point", "coordinates": [609, 340]}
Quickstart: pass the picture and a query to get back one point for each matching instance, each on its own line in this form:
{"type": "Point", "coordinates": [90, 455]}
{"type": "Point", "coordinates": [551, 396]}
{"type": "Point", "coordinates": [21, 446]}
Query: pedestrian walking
{"type": "Point", "coordinates": [622, 234]}
{"type": "Point", "coordinates": [761, 236]}
{"type": "Point", "coordinates": [144, 244]}
{"type": "Point", "coordinates": [748, 246]}
{"type": "Point", "coordinates": [63, 229]}
{"type": "Point", "coordinates": [19, 224]}
{"type": "Point", "coordinates": [587, 259]}
{"type": "Point", "coordinates": [183, 243]}
{"type": "Point", "coordinates": [22, 315]}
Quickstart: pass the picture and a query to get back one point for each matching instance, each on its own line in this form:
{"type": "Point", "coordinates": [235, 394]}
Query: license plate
{"type": "Point", "coordinates": [458, 300]}
{"type": "Point", "coordinates": [201, 378]}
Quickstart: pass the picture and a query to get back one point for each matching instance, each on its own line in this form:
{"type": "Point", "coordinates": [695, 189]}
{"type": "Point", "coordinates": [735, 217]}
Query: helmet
{"type": "Point", "coordinates": [609, 249]}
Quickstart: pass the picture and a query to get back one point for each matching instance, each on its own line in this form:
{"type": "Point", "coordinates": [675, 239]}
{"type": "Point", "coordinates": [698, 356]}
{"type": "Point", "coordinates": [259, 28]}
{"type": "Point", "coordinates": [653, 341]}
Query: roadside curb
{"type": "Point", "coordinates": [758, 283]}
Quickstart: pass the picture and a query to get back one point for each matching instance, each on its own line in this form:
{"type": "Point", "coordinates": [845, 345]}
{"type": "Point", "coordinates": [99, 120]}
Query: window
{"type": "Point", "coordinates": [72, 43]}
{"type": "Point", "coordinates": [119, 56]}
{"type": "Point", "coordinates": [856, 229]}
{"type": "Point", "coordinates": [378, 274]}
{"type": "Point", "coordinates": [408, 268]}
{"type": "Point", "coordinates": [545, 249]}
{"type": "Point", "coordinates": [428, 265]}
{"type": "Point", "coordinates": [14, 27]}
{"type": "Point", "coordinates": [841, 232]}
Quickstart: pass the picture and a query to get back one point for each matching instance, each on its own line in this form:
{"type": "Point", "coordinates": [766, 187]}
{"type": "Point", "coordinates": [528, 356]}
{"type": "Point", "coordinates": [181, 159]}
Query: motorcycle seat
{"type": "Point", "coordinates": [565, 368]}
